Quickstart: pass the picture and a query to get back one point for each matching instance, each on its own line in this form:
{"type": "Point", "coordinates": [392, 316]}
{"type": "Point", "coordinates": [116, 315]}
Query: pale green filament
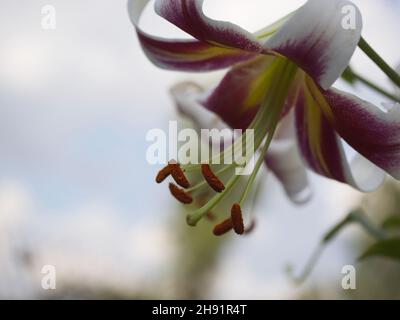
{"type": "Point", "coordinates": [253, 176]}
{"type": "Point", "coordinates": [195, 217]}
{"type": "Point", "coordinates": [274, 123]}
{"type": "Point", "coordinates": [258, 123]}
{"type": "Point", "coordinates": [266, 123]}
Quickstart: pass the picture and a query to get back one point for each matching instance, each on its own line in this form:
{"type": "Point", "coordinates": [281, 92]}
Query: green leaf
{"type": "Point", "coordinates": [392, 222]}
{"type": "Point", "coordinates": [389, 248]}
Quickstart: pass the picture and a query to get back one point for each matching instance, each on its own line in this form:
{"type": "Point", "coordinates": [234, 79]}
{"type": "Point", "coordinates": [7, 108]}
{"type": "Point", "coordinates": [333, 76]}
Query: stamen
{"type": "Point", "coordinates": [212, 180]}
{"type": "Point", "coordinates": [180, 194]}
{"type": "Point", "coordinates": [163, 174]}
{"type": "Point", "coordinates": [204, 183]}
{"type": "Point", "coordinates": [178, 175]}
{"type": "Point", "coordinates": [237, 218]}
{"type": "Point", "coordinates": [223, 228]}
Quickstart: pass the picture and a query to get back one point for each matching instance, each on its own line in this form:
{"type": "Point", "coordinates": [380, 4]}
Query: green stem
{"type": "Point", "coordinates": [363, 220]}
{"type": "Point", "coordinates": [357, 217]}
{"type": "Point", "coordinates": [375, 87]}
{"type": "Point", "coordinates": [375, 57]}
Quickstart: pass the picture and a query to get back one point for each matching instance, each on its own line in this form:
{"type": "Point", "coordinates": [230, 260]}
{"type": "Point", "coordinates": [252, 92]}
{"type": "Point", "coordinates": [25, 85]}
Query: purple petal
{"type": "Point", "coordinates": [184, 55]}
{"type": "Point", "coordinates": [237, 98]}
{"type": "Point", "coordinates": [321, 146]}
{"type": "Point", "coordinates": [239, 95]}
{"type": "Point", "coordinates": [188, 15]}
{"type": "Point", "coordinates": [374, 133]}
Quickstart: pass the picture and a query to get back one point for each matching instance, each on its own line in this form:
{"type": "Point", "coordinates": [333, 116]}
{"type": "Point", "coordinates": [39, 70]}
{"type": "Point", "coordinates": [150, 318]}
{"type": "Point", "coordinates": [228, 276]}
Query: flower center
{"type": "Point", "coordinates": [264, 125]}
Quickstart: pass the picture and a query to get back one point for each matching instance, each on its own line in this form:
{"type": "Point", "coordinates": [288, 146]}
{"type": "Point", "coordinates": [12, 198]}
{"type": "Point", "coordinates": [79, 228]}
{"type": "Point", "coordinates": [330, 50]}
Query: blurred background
{"type": "Point", "coordinates": [77, 193]}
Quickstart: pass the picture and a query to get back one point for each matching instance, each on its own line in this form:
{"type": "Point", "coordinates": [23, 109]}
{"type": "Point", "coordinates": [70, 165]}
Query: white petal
{"type": "Point", "coordinates": [135, 10]}
{"type": "Point", "coordinates": [367, 176]}
{"type": "Point", "coordinates": [186, 96]}
{"type": "Point", "coordinates": [182, 54]}
{"type": "Point", "coordinates": [284, 160]}
{"type": "Point", "coordinates": [321, 38]}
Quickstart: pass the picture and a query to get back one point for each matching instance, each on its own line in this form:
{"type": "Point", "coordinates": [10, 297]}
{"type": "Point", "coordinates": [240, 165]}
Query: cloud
{"type": "Point", "coordinates": [90, 243]}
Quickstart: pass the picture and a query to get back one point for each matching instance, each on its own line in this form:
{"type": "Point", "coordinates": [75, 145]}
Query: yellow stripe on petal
{"type": "Point", "coordinates": [260, 84]}
{"type": "Point", "coordinates": [320, 99]}
{"type": "Point", "coordinates": [313, 115]}
{"type": "Point", "coordinates": [200, 54]}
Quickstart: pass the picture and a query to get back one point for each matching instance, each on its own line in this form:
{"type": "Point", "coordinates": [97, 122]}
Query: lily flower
{"type": "Point", "coordinates": [280, 80]}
